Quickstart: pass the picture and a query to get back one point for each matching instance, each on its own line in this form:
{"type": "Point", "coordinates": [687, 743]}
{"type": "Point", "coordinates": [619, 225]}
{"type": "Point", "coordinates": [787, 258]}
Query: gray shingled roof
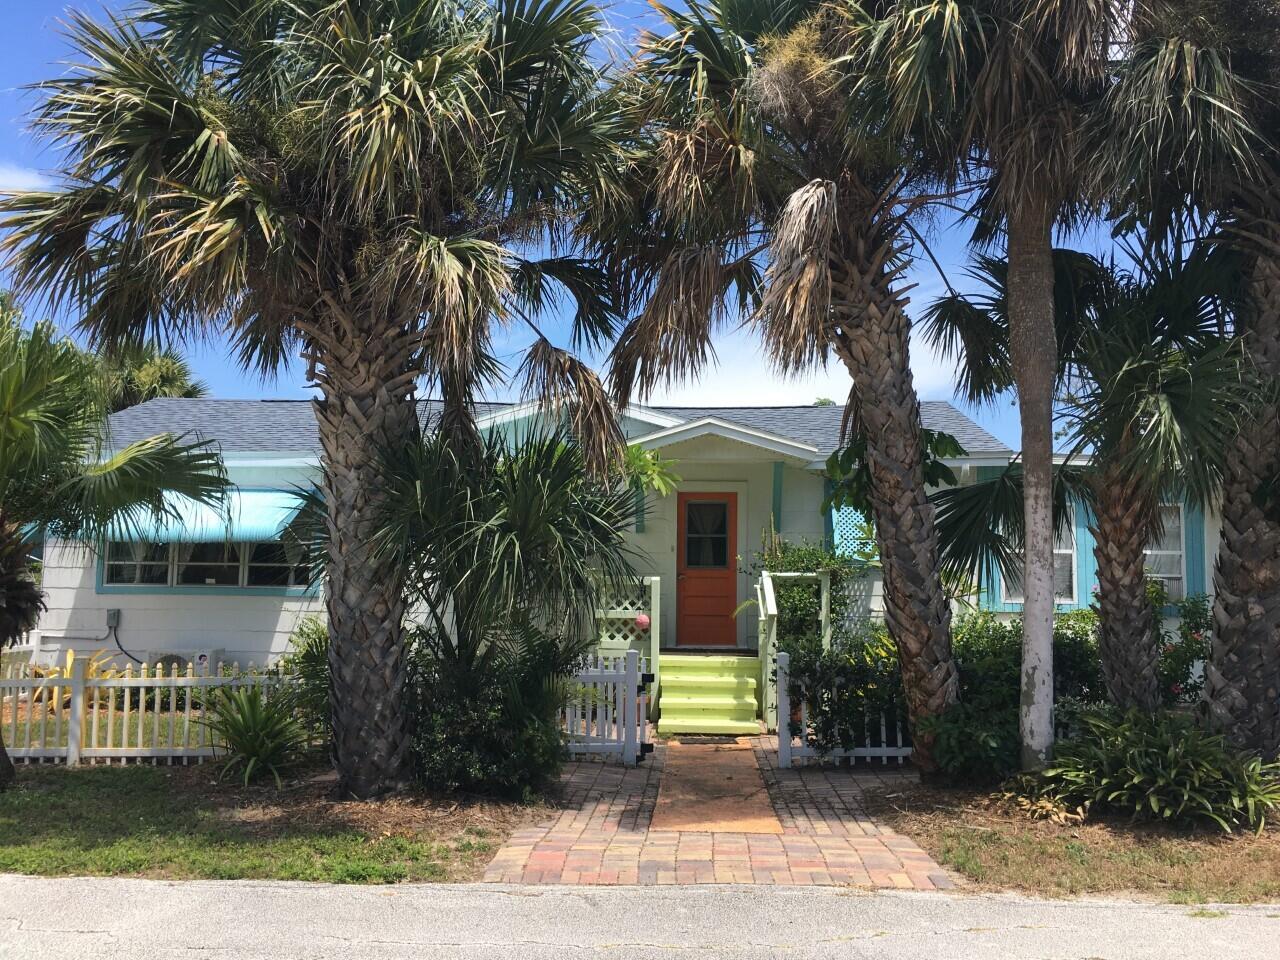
{"type": "Point", "coordinates": [288, 426]}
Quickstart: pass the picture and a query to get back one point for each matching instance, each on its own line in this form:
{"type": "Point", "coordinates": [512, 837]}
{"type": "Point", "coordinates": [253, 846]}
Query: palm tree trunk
{"type": "Point", "coordinates": [366, 407]}
{"type": "Point", "coordinates": [1243, 674]}
{"type": "Point", "coordinates": [871, 337]}
{"type": "Point", "coordinates": [8, 773]}
{"type": "Point", "coordinates": [1127, 639]}
{"type": "Point", "coordinates": [1033, 349]}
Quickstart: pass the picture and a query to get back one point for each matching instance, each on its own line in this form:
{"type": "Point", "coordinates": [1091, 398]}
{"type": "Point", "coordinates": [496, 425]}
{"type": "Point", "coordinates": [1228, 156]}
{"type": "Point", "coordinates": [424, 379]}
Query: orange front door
{"type": "Point", "coordinates": [706, 573]}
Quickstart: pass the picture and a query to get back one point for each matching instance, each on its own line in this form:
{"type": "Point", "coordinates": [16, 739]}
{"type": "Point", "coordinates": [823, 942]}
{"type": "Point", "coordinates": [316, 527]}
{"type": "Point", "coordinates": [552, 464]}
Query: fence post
{"type": "Point", "coordinates": [784, 712]}
{"type": "Point", "coordinates": [630, 705]}
{"type": "Point", "coordinates": [75, 718]}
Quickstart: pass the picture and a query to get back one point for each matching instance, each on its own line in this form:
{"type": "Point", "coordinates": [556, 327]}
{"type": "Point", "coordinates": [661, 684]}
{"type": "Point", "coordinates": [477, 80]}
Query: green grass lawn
{"type": "Point", "coordinates": [177, 822]}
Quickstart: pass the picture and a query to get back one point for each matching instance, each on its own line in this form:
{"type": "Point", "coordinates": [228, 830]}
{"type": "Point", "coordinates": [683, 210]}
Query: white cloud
{"type": "Point", "coordinates": [14, 177]}
{"type": "Point", "coordinates": [742, 376]}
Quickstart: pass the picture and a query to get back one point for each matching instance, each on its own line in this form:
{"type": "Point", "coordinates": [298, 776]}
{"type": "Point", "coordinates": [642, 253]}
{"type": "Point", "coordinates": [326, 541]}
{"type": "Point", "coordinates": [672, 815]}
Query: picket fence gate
{"type": "Point", "coordinates": [890, 746]}
{"type": "Point", "coordinates": [607, 710]}
{"type": "Point", "coordinates": [156, 713]}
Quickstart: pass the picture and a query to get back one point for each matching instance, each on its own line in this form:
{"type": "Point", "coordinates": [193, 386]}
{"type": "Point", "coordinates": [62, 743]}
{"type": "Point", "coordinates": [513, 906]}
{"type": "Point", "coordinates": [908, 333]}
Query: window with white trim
{"type": "Point", "coordinates": [1165, 558]}
{"type": "Point", "coordinates": [222, 564]}
{"type": "Point", "coordinates": [137, 563]}
{"type": "Point", "coordinates": [1064, 569]}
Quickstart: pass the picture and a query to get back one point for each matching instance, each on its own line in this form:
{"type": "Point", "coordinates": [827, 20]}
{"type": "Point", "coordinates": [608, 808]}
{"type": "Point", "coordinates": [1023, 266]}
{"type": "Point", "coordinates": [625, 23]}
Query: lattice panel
{"type": "Point", "coordinates": [853, 533]}
{"type": "Point", "coordinates": [617, 617]}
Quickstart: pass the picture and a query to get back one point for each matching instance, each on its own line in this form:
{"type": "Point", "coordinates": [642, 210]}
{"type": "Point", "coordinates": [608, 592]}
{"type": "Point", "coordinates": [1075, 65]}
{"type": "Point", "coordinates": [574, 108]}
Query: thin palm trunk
{"type": "Point", "coordinates": [367, 407]}
{"type": "Point", "coordinates": [872, 339]}
{"type": "Point", "coordinates": [1129, 646]}
{"type": "Point", "coordinates": [1243, 673]}
{"type": "Point", "coordinates": [1033, 351]}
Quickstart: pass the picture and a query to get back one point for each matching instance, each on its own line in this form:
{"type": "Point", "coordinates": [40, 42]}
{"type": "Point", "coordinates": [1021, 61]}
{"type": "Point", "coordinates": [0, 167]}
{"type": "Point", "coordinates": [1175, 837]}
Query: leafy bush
{"type": "Point", "coordinates": [974, 744]}
{"type": "Point", "coordinates": [1161, 767]}
{"type": "Point", "coordinates": [978, 741]}
{"type": "Point", "coordinates": [800, 604]}
{"type": "Point", "coordinates": [492, 729]}
{"type": "Point", "coordinates": [308, 660]}
{"type": "Point", "coordinates": [1181, 652]}
{"type": "Point", "coordinates": [260, 731]}
{"type": "Point", "coordinates": [848, 688]}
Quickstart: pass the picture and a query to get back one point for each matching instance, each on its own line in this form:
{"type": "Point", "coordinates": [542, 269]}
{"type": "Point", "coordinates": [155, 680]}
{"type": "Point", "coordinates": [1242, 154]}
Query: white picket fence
{"type": "Point", "coordinates": [608, 708]}
{"type": "Point", "coordinates": [154, 713]}
{"type": "Point", "coordinates": [158, 713]}
{"type": "Point", "coordinates": [890, 745]}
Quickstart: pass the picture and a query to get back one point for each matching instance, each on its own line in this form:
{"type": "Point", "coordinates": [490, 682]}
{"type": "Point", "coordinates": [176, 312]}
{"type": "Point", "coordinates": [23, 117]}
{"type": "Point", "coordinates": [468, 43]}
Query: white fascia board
{"type": "Point", "coordinates": [520, 410]}
{"type": "Point", "coordinates": [713, 427]}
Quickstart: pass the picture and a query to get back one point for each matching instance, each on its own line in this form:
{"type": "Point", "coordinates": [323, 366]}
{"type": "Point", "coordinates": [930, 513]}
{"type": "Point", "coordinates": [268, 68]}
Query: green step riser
{"type": "Point", "coordinates": [712, 695]}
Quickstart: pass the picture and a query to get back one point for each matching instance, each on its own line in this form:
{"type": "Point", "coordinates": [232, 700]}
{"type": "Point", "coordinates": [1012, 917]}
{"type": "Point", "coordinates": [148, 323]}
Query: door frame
{"type": "Point", "coordinates": [739, 488]}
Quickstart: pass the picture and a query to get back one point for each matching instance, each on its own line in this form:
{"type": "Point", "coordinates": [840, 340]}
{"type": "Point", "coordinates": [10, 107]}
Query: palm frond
{"type": "Point", "coordinates": [567, 387]}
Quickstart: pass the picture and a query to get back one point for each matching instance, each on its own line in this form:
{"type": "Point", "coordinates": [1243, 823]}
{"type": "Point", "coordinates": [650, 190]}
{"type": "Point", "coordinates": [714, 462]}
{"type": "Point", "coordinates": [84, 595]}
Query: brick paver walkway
{"type": "Point", "coordinates": [602, 835]}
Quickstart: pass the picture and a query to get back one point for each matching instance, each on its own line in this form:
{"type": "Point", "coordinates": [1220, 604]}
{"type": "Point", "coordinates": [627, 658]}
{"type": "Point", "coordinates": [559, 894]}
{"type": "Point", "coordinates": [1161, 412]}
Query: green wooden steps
{"type": "Point", "coordinates": [708, 694]}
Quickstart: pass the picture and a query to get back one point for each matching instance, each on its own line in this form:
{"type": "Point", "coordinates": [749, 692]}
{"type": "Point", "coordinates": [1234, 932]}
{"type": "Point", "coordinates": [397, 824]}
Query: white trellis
{"type": "Point", "coordinates": [618, 631]}
{"type": "Point", "coordinates": [607, 708]}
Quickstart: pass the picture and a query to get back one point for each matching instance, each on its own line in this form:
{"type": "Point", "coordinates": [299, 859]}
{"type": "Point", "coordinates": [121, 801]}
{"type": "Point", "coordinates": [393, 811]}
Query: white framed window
{"type": "Point", "coordinates": [1166, 557]}
{"type": "Point", "coordinates": [195, 565]}
{"type": "Point", "coordinates": [1064, 568]}
{"type": "Point", "coordinates": [137, 563]}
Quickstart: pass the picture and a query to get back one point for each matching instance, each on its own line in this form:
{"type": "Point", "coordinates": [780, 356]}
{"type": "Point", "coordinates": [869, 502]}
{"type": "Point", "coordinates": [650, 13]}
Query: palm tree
{"type": "Point", "coordinates": [500, 538]}
{"type": "Point", "coordinates": [747, 151]}
{"type": "Point", "coordinates": [1032, 87]}
{"type": "Point", "coordinates": [345, 180]}
{"type": "Point", "coordinates": [56, 475]}
{"type": "Point", "coordinates": [1243, 673]}
{"type": "Point", "coordinates": [1152, 394]}
{"type": "Point", "coordinates": [140, 372]}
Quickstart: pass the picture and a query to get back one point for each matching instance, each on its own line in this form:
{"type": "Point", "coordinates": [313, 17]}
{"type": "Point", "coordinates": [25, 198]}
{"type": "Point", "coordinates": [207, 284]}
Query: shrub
{"type": "Point", "coordinates": [260, 731]}
{"type": "Point", "coordinates": [491, 727]}
{"type": "Point", "coordinates": [1182, 653]}
{"type": "Point", "coordinates": [308, 660]}
{"type": "Point", "coordinates": [1160, 767]}
{"type": "Point", "coordinates": [974, 744]}
{"type": "Point", "coordinates": [978, 741]}
{"type": "Point", "coordinates": [848, 688]}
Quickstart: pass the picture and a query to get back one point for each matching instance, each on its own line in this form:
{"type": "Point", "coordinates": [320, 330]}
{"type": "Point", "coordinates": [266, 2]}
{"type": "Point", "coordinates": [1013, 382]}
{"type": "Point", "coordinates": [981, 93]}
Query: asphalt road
{"type": "Point", "coordinates": [79, 918]}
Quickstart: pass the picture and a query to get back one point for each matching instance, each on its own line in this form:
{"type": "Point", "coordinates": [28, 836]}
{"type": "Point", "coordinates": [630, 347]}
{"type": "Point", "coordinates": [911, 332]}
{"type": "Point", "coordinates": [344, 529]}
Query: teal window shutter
{"type": "Point", "coordinates": [1193, 544]}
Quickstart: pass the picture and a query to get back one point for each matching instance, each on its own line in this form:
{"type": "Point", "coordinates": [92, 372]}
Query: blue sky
{"type": "Point", "coordinates": [32, 49]}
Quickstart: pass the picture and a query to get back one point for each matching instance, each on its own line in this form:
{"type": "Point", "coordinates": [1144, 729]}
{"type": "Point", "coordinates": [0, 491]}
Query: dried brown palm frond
{"type": "Point", "coordinates": [700, 166]}
{"type": "Point", "coordinates": [671, 338]}
{"type": "Point", "coordinates": [565, 385]}
{"type": "Point", "coordinates": [796, 309]}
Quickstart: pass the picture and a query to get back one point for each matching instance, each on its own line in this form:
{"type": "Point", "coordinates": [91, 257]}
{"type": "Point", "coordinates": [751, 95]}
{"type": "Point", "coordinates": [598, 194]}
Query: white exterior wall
{"type": "Point", "coordinates": [245, 625]}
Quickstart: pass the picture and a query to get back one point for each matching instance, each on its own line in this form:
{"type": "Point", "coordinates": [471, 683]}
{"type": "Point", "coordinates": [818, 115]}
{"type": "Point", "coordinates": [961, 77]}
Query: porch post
{"type": "Point", "coordinates": [777, 496]}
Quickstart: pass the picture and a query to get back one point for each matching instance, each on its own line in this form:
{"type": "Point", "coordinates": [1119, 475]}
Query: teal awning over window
{"type": "Point", "coordinates": [245, 515]}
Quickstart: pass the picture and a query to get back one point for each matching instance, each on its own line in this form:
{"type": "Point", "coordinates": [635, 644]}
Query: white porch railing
{"type": "Point", "coordinates": [617, 630]}
{"type": "Point", "coordinates": [155, 713]}
{"type": "Point", "coordinates": [888, 743]}
{"type": "Point", "coordinates": [608, 709]}
{"type": "Point", "coordinates": [767, 632]}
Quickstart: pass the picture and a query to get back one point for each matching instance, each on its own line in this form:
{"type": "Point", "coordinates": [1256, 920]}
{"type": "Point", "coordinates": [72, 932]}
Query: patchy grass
{"type": "Point", "coordinates": [181, 823]}
{"type": "Point", "coordinates": [997, 848]}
